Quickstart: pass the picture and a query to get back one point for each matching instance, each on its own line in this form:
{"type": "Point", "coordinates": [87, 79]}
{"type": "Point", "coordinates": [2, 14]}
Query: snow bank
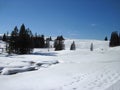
{"type": "Point", "coordinates": [24, 66]}
{"type": "Point", "coordinates": [9, 71]}
{"type": "Point", "coordinates": [18, 64]}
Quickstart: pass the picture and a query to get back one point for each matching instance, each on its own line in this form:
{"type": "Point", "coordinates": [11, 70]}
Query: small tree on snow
{"type": "Point", "coordinates": [91, 47]}
{"type": "Point", "coordinates": [106, 39]}
{"type": "Point", "coordinates": [73, 47]}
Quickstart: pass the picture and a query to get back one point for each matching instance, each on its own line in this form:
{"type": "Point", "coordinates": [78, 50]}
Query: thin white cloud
{"type": "Point", "coordinates": [73, 34]}
{"type": "Point", "coordinates": [93, 24]}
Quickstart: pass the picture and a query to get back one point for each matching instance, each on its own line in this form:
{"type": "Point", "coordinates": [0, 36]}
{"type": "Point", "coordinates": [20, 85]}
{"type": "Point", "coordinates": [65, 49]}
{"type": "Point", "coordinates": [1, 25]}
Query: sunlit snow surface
{"type": "Point", "coordinates": [81, 69]}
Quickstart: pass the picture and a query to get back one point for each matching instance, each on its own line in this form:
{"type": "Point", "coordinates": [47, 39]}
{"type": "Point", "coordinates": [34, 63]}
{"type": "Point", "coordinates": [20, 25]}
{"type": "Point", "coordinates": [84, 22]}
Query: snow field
{"type": "Point", "coordinates": [77, 70]}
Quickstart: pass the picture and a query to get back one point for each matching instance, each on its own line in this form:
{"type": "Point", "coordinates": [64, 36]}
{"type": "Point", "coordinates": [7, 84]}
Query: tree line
{"type": "Point", "coordinates": [22, 41]}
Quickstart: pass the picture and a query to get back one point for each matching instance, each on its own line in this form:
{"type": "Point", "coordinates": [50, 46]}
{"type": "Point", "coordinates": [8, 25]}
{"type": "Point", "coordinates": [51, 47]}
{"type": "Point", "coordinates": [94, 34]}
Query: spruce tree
{"type": "Point", "coordinates": [42, 41]}
{"type": "Point", "coordinates": [114, 40]}
{"type": "Point", "coordinates": [7, 42]}
{"type": "Point", "coordinates": [22, 40]}
{"type": "Point", "coordinates": [25, 41]}
{"type": "Point", "coordinates": [119, 38]}
{"type": "Point", "coordinates": [91, 47]}
{"type": "Point", "coordinates": [73, 47]}
{"type": "Point", "coordinates": [4, 38]}
{"type": "Point", "coordinates": [13, 40]}
{"type": "Point", "coordinates": [50, 38]}
{"type": "Point", "coordinates": [29, 41]}
{"type": "Point", "coordinates": [106, 39]}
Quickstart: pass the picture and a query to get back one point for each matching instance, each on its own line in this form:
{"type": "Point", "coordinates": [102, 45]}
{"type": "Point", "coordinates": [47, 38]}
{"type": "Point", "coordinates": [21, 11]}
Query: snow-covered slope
{"type": "Point", "coordinates": [81, 69]}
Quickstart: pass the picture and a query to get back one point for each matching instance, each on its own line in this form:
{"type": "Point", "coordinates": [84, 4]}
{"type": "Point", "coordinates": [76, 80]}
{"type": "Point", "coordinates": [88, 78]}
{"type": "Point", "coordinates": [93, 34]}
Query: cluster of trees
{"type": "Point", "coordinates": [39, 41]}
{"type": "Point", "coordinates": [22, 41]}
{"type": "Point", "coordinates": [115, 39]}
{"type": "Point", "coordinates": [59, 43]}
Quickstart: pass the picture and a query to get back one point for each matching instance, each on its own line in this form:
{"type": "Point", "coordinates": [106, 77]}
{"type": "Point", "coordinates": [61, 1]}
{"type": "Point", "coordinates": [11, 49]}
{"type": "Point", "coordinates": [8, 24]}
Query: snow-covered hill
{"type": "Point", "coordinates": [81, 69]}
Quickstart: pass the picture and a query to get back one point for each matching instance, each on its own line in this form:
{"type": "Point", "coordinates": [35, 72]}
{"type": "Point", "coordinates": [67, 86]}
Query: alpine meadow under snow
{"type": "Point", "coordinates": [79, 69]}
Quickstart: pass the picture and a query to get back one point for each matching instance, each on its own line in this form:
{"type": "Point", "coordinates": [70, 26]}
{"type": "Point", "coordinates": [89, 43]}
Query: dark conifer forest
{"type": "Point", "coordinates": [22, 41]}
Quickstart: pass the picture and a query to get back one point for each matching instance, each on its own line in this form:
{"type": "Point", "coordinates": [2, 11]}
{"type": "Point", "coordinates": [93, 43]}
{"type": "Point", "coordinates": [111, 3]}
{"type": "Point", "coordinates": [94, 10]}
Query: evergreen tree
{"type": "Point", "coordinates": [73, 46]}
{"type": "Point", "coordinates": [4, 37]}
{"type": "Point", "coordinates": [50, 38]}
{"type": "Point", "coordinates": [114, 40]}
{"type": "Point", "coordinates": [29, 41]}
{"type": "Point", "coordinates": [91, 47]}
{"type": "Point", "coordinates": [42, 41]}
{"type": "Point", "coordinates": [119, 38]}
{"type": "Point", "coordinates": [106, 39]}
{"type": "Point", "coordinates": [7, 42]}
{"type": "Point", "coordinates": [59, 43]}
{"type": "Point", "coordinates": [21, 42]}
{"type": "Point", "coordinates": [13, 40]}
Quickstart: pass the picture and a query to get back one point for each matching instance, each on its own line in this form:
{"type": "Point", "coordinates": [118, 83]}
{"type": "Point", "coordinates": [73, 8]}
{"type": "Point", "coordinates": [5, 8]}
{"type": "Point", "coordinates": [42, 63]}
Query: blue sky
{"type": "Point", "coordinates": [85, 19]}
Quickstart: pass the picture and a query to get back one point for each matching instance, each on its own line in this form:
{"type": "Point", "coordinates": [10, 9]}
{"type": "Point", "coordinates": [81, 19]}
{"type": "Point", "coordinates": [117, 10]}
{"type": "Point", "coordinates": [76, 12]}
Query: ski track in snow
{"type": "Point", "coordinates": [86, 82]}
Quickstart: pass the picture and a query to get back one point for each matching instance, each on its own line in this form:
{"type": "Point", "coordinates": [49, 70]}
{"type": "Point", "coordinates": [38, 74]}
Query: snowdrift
{"type": "Point", "coordinates": [24, 66]}
{"type": "Point", "coordinates": [9, 71]}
